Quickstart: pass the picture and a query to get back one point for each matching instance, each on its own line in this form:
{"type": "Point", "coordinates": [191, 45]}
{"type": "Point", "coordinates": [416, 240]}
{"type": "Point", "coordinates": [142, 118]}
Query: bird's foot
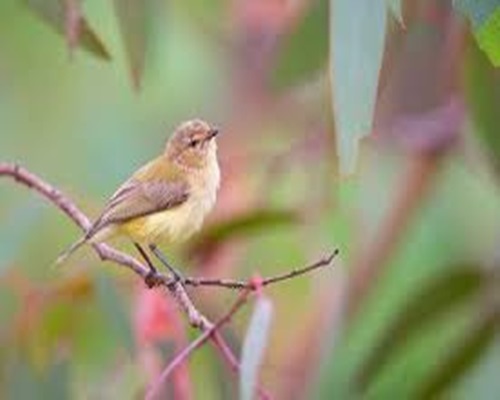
{"type": "Point", "coordinates": [153, 279]}
{"type": "Point", "coordinates": [177, 276]}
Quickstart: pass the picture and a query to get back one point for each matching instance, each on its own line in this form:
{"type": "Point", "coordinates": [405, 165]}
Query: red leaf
{"type": "Point", "coordinates": [156, 317]}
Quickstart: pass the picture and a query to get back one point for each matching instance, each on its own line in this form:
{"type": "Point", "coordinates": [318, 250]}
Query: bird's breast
{"type": "Point", "coordinates": [181, 222]}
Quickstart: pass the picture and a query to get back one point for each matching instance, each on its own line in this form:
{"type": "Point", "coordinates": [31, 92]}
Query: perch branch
{"type": "Point", "coordinates": [175, 287]}
{"type": "Point", "coordinates": [236, 284]}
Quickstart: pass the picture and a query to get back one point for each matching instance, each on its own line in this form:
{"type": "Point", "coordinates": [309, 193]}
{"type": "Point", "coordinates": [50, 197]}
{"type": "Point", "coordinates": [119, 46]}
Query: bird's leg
{"type": "Point", "coordinates": [157, 252]}
{"type": "Point", "coordinates": [151, 278]}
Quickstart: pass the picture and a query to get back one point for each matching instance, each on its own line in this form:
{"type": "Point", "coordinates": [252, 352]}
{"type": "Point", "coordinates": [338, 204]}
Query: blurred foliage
{"type": "Point", "coordinates": [241, 226]}
{"type": "Point", "coordinates": [483, 94]}
{"type": "Point", "coordinates": [485, 19]}
{"type": "Point", "coordinates": [396, 7]}
{"type": "Point", "coordinates": [133, 20]}
{"type": "Point", "coordinates": [254, 346]}
{"type": "Point", "coordinates": [25, 383]}
{"type": "Point", "coordinates": [355, 66]}
{"type": "Point", "coordinates": [466, 352]}
{"type": "Point", "coordinates": [56, 14]}
{"type": "Point", "coordinates": [304, 51]}
{"type": "Point", "coordinates": [428, 324]}
{"type": "Point", "coordinates": [460, 285]}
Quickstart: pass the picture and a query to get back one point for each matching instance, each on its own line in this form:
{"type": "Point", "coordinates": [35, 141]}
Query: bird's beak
{"type": "Point", "coordinates": [212, 133]}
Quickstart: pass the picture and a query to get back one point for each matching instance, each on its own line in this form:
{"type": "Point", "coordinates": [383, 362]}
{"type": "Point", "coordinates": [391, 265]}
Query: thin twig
{"type": "Point", "coordinates": [176, 288]}
{"type": "Point", "coordinates": [105, 252]}
{"type": "Point", "coordinates": [198, 342]}
{"type": "Point", "coordinates": [236, 284]}
{"type": "Point", "coordinates": [228, 355]}
{"type": "Point", "coordinates": [108, 253]}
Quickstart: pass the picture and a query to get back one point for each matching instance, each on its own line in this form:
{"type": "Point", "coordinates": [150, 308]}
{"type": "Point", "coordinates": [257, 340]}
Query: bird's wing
{"type": "Point", "coordinates": [136, 199]}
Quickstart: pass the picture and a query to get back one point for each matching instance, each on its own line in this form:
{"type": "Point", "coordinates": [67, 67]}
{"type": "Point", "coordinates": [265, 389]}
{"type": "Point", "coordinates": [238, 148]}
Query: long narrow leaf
{"type": "Point", "coordinates": [462, 356]}
{"type": "Point", "coordinates": [54, 13]}
{"type": "Point", "coordinates": [437, 298]}
{"type": "Point", "coordinates": [254, 346]}
{"type": "Point", "coordinates": [132, 17]}
{"type": "Point", "coordinates": [356, 46]}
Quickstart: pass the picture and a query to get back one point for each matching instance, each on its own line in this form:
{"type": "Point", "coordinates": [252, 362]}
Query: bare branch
{"type": "Point", "coordinates": [176, 288]}
{"type": "Point", "coordinates": [206, 335]}
{"type": "Point", "coordinates": [236, 284]}
{"type": "Point", "coordinates": [105, 252]}
{"type": "Point", "coordinates": [228, 355]}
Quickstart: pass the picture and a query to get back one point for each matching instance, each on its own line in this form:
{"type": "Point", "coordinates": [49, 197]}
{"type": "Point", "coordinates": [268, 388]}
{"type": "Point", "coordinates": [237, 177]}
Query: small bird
{"type": "Point", "coordinates": [165, 200]}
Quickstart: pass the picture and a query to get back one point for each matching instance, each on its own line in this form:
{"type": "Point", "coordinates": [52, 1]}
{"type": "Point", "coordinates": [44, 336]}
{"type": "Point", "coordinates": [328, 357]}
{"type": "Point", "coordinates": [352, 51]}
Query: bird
{"type": "Point", "coordinates": [166, 200]}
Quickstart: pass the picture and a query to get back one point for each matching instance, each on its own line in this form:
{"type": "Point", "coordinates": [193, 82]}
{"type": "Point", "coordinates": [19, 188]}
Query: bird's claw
{"type": "Point", "coordinates": [152, 279]}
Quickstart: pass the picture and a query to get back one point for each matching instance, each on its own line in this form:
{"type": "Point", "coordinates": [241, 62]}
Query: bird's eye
{"type": "Point", "coordinates": [193, 143]}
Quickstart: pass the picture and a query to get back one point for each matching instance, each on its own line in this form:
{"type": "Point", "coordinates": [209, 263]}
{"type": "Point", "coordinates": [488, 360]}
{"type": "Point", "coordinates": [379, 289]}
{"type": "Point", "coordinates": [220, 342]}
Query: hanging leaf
{"type": "Point", "coordinates": [253, 347]}
{"type": "Point", "coordinates": [462, 356]}
{"type": "Point", "coordinates": [132, 18]}
{"type": "Point", "coordinates": [357, 29]}
{"type": "Point", "coordinates": [65, 18]}
{"type": "Point", "coordinates": [484, 16]}
{"type": "Point", "coordinates": [304, 51]}
{"type": "Point", "coordinates": [437, 298]}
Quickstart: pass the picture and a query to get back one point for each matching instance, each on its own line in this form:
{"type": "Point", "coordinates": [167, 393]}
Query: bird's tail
{"type": "Point", "coordinates": [63, 257]}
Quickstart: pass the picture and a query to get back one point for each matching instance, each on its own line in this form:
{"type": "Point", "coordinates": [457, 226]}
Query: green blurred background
{"type": "Point", "coordinates": [410, 309]}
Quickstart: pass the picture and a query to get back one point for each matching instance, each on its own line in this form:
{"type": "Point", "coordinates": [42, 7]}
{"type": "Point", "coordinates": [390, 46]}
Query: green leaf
{"type": "Point", "coordinates": [133, 18]}
{"type": "Point", "coordinates": [54, 14]}
{"type": "Point", "coordinates": [462, 356]}
{"type": "Point", "coordinates": [304, 51]}
{"type": "Point", "coordinates": [488, 37]}
{"type": "Point", "coordinates": [482, 88]}
{"type": "Point", "coordinates": [253, 347]}
{"type": "Point", "coordinates": [437, 298]}
{"type": "Point", "coordinates": [112, 306]}
{"type": "Point", "coordinates": [478, 11]}
{"type": "Point", "coordinates": [356, 50]}
{"type": "Point", "coordinates": [485, 19]}
{"type": "Point", "coordinates": [245, 224]}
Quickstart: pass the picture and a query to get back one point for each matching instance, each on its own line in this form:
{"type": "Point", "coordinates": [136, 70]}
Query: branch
{"type": "Point", "coordinates": [184, 354]}
{"type": "Point", "coordinates": [236, 284]}
{"type": "Point", "coordinates": [175, 288]}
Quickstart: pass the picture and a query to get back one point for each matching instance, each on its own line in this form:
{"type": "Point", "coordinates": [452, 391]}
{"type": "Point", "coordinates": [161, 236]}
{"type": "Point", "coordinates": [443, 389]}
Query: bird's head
{"type": "Point", "coordinates": [193, 144]}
